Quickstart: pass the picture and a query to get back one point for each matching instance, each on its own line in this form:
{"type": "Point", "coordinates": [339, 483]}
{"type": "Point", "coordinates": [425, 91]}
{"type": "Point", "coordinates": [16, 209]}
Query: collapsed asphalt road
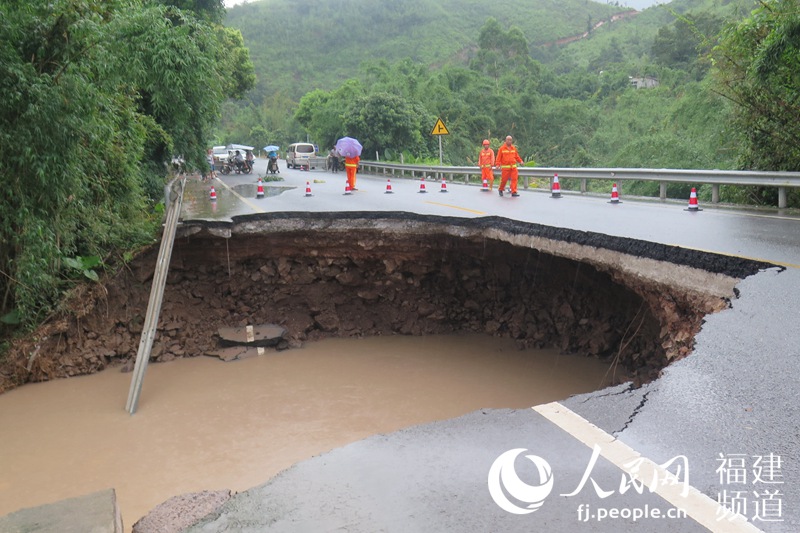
{"type": "Point", "coordinates": [729, 408]}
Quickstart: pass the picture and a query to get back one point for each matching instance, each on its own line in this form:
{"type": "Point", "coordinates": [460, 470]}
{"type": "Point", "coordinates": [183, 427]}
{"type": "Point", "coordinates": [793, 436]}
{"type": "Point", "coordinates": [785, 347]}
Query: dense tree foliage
{"type": "Point", "coordinates": [758, 68]}
{"type": "Point", "coordinates": [567, 105]}
{"type": "Point", "coordinates": [97, 96]}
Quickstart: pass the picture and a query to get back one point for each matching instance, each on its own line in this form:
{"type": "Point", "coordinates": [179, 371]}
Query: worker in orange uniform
{"type": "Point", "coordinates": [351, 166]}
{"type": "Point", "coordinates": [507, 159]}
{"type": "Point", "coordinates": [485, 162]}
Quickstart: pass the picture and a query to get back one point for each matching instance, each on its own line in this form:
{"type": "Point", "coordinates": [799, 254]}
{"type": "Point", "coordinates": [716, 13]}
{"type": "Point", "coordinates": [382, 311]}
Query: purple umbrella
{"type": "Point", "coordinates": [348, 147]}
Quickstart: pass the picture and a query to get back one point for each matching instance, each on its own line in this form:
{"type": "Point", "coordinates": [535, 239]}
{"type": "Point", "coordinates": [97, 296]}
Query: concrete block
{"type": "Point", "coordinates": [93, 513]}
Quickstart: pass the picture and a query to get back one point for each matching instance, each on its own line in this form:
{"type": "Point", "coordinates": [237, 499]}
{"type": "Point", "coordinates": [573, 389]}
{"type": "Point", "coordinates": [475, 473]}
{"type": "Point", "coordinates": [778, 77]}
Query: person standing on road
{"type": "Point", "coordinates": [485, 162]}
{"type": "Point", "coordinates": [210, 160]}
{"type": "Point", "coordinates": [507, 159]}
{"type": "Point", "coordinates": [351, 166]}
{"type": "Point", "coordinates": [251, 158]}
{"type": "Point", "coordinates": [333, 158]}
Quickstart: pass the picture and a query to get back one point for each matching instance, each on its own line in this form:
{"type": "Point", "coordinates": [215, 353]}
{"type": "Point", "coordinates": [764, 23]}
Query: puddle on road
{"type": "Point", "coordinates": [250, 190]}
{"type": "Point", "coordinates": [203, 424]}
{"type": "Point", "coordinates": [197, 203]}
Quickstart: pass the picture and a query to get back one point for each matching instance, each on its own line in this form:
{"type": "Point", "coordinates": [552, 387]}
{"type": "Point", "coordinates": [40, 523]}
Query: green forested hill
{"type": "Point", "coordinates": [300, 45]}
{"type": "Point", "coordinates": [560, 76]}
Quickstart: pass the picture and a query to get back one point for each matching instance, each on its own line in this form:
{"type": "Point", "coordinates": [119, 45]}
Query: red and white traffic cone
{"type": "Point", "coordinates": [556, 190]}
{"type": "Point", "coordinates": [444, 185]}
{"type": "Point", "coordinates": [389, 187]}
{"type": "Point", "coordinates": [422, 185]}
{"type": "Point", "coordinates": [213, 194]}
{"type": "Point", "coordinates": [308, 189]}
{"type": "Point", "coordinates": [614, 195]}
{"type": "Point", "coordinates": [260, 189]}
{"type": "Point", "coordinates": [485, 186]}
{"type": "Point", "coordinates": [347, 189]}
{"type": "Point", "coordinates": [693, 206]}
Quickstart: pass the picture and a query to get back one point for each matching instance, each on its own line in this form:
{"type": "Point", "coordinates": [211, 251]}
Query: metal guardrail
{"type": "Point", "coordinates": [173, 199]}
{"type": "Point", "coordinates": [781, 180]}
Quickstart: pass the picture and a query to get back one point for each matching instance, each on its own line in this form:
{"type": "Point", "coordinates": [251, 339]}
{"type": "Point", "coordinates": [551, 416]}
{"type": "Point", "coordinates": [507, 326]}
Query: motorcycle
{"type": "Point", "coordinates": [272, 166]}
{"type": "Point", "coordinates": [239, 167]}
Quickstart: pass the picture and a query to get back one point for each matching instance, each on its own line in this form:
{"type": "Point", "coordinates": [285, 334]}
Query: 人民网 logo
{"type": "Point", "coordinates": [503, 479]}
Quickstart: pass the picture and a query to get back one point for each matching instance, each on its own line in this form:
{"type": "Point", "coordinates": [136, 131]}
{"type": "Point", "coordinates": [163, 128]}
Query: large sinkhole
{"type": "Point", "coordinates": [632, 303]}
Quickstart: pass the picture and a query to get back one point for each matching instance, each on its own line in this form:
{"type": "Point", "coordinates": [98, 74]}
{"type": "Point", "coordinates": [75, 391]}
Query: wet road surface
{"type": "Point", "coordinates": [729, 409]}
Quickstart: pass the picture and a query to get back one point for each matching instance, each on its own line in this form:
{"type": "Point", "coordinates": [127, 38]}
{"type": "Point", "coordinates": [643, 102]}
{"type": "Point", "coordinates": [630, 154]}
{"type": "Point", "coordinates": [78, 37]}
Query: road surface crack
{"type": "Point", "coordinates": [618, 393]}
{"type": "Point", "coordinates": [635, 412]}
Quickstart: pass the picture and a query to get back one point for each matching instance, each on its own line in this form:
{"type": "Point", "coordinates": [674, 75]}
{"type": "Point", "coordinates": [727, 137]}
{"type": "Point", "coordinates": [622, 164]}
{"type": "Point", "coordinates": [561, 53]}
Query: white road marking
{"type": "Point", "coordinates": [697, 505]}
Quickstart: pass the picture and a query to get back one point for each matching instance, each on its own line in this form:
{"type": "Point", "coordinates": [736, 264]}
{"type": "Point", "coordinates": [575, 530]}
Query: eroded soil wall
{"type": "Point", "coordinates": [361, 278]}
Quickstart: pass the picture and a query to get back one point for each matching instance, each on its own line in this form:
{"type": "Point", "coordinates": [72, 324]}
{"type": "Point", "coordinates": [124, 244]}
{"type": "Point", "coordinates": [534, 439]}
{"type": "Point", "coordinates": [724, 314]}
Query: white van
{"type": "Point", "coordinates": [298, 154]}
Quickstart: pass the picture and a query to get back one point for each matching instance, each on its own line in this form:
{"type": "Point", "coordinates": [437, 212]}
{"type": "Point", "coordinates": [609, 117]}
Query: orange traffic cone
{"type": "Point", "coordinates": [347, 189]}
{"type": "Point", "coordinates": [693, 206]}
{"type": "Point", "coordinates": [213, 194]}
{"type": "Point", "coordinates": [614, 195]}
{"type": "Point", "coordinates": [444, 185]}
{"type": "Point", "coordinates": [485, 186]}
{"type": "Point", "coordinates": [308, 189]}
{"type": "Point", "coordinates": [389, 187]}
{"type": "Point", "coordinates": [260, 189]}
{"type": "Point", "coordinates": [422, 185]}
{"type": "Point", "coordinates": [556, 190]}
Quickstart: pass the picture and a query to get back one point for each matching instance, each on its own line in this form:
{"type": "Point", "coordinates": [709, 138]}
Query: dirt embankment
{"type": "Point", "coordinates": [632, 303]}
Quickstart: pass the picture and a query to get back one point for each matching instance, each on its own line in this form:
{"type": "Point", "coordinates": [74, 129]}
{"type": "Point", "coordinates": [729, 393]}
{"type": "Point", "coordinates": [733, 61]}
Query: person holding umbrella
{"type": "Point", "coordinates": [351, 167]}
{"type": "Point", "coordinates": [351, 150]}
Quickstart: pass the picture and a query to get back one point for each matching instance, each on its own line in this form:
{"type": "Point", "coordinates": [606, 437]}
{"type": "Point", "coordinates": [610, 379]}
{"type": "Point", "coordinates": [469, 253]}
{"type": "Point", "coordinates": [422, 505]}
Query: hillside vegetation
{"type": "Point", "coordinates": [98, 96]}
{"type": "Point", "coordinates": [341, 67]}
{"type": "Point", "coordinates": [300, 45]}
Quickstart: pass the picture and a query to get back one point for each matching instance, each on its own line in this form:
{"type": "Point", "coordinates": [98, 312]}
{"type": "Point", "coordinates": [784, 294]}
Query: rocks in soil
{"type": "Point", "coordinates": [180, 512]}
{"type": "Point", "coordinates": [362, 282]}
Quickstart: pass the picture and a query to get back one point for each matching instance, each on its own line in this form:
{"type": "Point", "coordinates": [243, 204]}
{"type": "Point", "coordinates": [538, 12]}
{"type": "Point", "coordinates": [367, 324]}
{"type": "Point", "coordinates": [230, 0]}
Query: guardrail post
{"type": "Point", "coordinates": [526, 181]}
{"type": "Point", "coordinates": [583, 186]}
{"type": "Point", "coordinates": [715, 193]}
{"type": "Point", "coordinates": [782, 197]}
{"type": "Point", "coordinates": [662, 191]}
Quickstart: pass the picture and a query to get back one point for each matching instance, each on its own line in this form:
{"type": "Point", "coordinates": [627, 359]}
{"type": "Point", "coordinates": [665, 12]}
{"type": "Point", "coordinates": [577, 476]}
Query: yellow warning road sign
{"type": "Point", "coordinates": [440, 128]}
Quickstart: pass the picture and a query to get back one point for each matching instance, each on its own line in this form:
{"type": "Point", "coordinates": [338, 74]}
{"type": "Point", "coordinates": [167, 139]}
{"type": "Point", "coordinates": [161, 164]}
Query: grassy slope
{"type": "Point", "coordinates": [300, 45]}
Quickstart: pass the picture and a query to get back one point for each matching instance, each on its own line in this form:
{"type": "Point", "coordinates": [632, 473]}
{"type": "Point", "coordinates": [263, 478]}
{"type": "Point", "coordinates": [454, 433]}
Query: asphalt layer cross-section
{"type": "Point", "coordinates": [729, 411]}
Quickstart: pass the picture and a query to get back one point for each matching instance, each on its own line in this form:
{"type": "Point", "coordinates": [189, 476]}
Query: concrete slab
{"type": "Point", "coordinates": [92, 513]}
{"type": "Point", "coordinates": [263, 335]}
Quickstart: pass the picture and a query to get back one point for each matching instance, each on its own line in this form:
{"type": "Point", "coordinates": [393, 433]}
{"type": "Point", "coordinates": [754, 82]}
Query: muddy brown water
{"type": "Point", "coordinates": [203, 424]}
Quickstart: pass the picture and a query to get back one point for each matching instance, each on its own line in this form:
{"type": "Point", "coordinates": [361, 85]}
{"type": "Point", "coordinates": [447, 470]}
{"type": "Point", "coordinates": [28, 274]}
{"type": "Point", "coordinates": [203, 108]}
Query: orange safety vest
{"type": "Point", "coordinates": [352, 162]}
{"type": "Point", "coordinates": [507, 157]}
{"type": "Point", "coordinates": [486, 158]}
